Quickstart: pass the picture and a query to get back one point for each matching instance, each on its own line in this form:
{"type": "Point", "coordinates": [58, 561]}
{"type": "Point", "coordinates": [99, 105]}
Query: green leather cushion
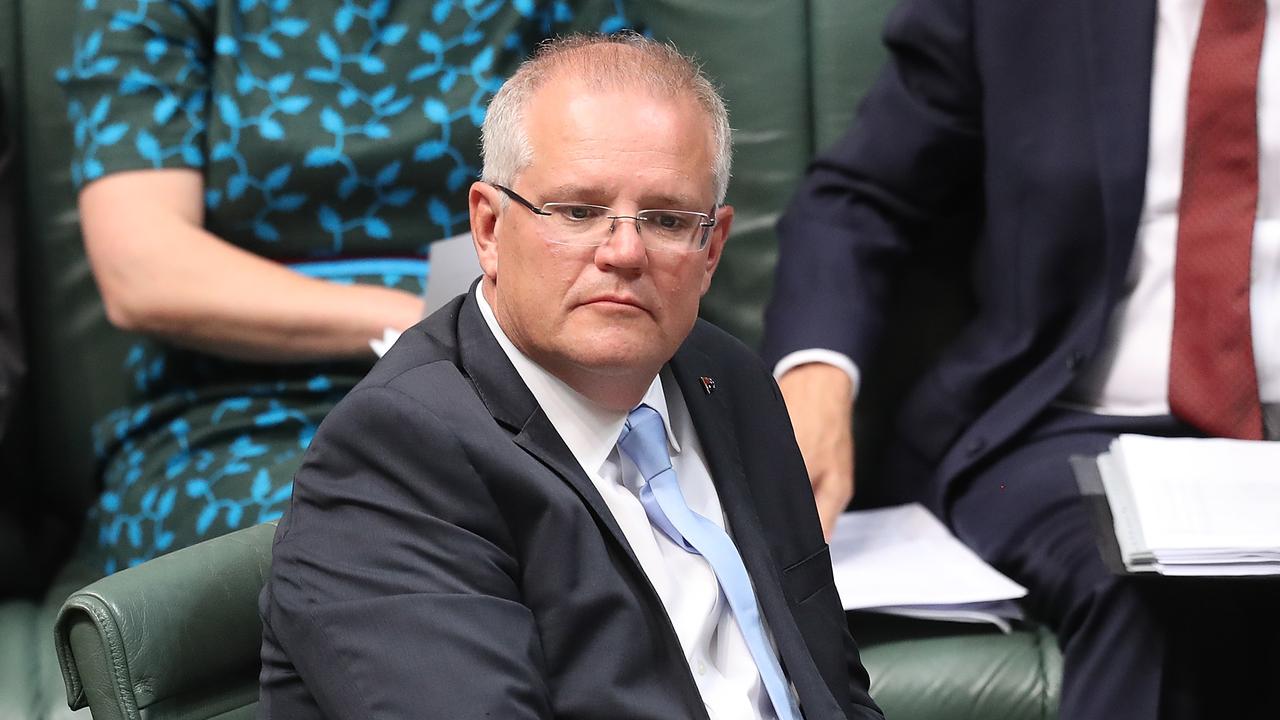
{"type": "Point", "coordinates": [924, 670]}
{"type": "Point", "coordinates": [178, 635]}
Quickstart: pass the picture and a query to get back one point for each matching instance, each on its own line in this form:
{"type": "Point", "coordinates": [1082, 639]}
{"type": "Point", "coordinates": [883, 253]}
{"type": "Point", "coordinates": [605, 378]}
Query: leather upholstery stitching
{"type": "Point", "coordinates": [97, 609]}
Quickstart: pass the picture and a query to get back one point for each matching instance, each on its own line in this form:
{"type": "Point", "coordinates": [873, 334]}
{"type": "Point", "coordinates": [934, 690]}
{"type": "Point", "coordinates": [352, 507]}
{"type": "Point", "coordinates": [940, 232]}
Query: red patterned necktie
{"type": "Point", "coordinates": [1213, 383]}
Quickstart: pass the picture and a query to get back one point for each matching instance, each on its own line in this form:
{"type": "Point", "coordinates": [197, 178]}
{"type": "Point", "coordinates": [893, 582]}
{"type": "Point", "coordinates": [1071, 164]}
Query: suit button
{"type": "Point", "coordinates": [1076, 360]}
{"type": "Point", "coordinates": [976, 446]}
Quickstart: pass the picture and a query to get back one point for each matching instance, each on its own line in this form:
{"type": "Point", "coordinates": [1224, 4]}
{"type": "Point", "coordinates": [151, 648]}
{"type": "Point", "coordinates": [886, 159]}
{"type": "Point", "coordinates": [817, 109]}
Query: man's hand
{"type": "Point", "coordinates": [819, 399]}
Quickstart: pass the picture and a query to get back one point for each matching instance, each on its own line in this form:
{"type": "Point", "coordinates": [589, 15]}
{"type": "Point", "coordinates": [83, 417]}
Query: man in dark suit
{"type": "Point", "coordinates": [562, 495]}
{"type": "Point", "coordinates": [1096, 137]}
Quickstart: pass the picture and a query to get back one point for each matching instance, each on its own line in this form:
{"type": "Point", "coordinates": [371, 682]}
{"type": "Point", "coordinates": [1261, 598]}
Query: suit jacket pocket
{"type": "Point", "coordinates": [804, 579]}
{"type": "Point", "coordinates": [820, 619]}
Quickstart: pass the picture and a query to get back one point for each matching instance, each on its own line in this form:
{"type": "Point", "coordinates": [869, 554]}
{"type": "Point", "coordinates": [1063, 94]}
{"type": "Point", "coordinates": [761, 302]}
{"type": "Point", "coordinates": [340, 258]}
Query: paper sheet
{"type": "Point", "coordinates": [905, 556]}
{"type": "Point", "coordinates": [1195, 506]}
{"type": "Point", "coordinates": [1194, 493]}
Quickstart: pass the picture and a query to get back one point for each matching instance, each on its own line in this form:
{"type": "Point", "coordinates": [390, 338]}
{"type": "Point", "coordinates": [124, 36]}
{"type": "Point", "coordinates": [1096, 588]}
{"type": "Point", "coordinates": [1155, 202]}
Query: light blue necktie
{"type": "Point", "coordinates": [644, 440]}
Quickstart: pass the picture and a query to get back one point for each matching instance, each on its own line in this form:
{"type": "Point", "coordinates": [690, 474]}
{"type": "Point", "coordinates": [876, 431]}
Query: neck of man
{"type": "Point", "coordinates": [616, 391]}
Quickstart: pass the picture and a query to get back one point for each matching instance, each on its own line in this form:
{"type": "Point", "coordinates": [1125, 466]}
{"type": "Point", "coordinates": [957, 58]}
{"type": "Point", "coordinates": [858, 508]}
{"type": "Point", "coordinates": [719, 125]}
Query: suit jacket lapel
{"type": "Point", "coordinates": [712, 419]}
{"type": "Point", "coordinates": [1120, 41]}
{"type": "Point", "coordinates": [511, 404]}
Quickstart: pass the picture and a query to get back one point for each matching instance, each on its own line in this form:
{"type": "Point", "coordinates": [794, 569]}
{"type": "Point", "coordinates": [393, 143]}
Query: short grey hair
{"type": "Point", "coordinates": [623, 60]}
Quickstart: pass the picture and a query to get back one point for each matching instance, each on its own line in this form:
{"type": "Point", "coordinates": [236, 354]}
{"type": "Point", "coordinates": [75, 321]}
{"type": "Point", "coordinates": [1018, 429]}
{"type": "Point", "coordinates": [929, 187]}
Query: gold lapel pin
{"type": "Point", "coordinates": [708, 384]}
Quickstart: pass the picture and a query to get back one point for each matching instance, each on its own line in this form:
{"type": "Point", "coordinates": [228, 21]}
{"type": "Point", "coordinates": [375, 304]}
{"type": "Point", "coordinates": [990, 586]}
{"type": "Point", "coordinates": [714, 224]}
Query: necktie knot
{"type": "Point", "coordinates": [644, 441]}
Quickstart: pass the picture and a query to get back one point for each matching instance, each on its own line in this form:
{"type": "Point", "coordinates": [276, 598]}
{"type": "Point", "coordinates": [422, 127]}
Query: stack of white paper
{"type": "Point", "coordinates": [1195, 506]}
{"type": "Point", "coordinates": [903, 561]}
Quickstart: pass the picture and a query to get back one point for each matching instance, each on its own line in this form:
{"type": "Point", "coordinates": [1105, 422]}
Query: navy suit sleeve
{"type": "Point", "coordinates": [393, 590]}
{"type": "Point", "coordinates": [913, 153]}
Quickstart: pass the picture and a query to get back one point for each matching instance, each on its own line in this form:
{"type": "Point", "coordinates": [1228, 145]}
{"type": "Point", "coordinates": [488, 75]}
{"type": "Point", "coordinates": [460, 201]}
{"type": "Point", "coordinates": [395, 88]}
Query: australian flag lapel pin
{"type": "Point", "coordinates": [708, 384]}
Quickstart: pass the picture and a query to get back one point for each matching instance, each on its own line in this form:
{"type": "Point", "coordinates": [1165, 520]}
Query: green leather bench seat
{"type": "Point", "coordinates": [178, 637]}
{"type": "Point", "coordinates": [950, 671]}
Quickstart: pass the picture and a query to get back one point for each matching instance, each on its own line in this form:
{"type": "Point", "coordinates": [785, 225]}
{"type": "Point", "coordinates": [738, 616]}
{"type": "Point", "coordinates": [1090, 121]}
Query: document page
{"type": "Point", "coordinates": [1203, 494]}
{"type": "Point", "coordinates": [905, 556]}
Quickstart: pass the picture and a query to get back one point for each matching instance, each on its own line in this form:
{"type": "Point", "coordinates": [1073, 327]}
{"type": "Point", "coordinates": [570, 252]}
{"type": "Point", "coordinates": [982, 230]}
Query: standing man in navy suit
{"type": "Point", "coordinates": [1126, 160]}
{"type": "Point", "coordinates": [563, 495]}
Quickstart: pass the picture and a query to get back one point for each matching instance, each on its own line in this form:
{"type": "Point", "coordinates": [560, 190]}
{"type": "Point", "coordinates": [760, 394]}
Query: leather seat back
{"type": "Point", "coordinates": [757, 51]}
{"type": "Point", "coordinates": [75, 355]}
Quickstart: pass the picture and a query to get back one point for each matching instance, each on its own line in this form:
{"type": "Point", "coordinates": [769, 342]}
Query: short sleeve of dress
{"type": "Point", "coordinates": [138, 85]}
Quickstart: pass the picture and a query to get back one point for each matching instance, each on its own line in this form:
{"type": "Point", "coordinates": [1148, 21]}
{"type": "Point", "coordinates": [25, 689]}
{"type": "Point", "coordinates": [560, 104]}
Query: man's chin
{"type": "Point", "coordinates": [617, 364]}
{"type": "Point", "coordinates": [620, 359]}
{"type": "Point", "coordinates": [624, 345]}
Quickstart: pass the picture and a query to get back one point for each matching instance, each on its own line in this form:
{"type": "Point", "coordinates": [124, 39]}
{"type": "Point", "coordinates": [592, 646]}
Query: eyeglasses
{"type": "Point", "coordinates": [592, 225]}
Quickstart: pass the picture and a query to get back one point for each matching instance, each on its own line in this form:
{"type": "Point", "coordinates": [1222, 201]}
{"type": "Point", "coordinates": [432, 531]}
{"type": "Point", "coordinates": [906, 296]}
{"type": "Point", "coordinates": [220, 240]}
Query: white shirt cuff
{"type": "Point", "coordinates": [820, 355]}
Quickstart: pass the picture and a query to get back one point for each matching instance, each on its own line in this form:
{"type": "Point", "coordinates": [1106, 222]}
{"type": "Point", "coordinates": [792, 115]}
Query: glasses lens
{"type": "Point", "coordinates": [578, 224]}
{"type": "Point", "coordinates": [672, 229]}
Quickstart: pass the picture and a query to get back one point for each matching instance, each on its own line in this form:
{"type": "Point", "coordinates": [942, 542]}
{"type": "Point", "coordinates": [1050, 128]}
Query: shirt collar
{"type": "Point", "coordinates": [589, 430]}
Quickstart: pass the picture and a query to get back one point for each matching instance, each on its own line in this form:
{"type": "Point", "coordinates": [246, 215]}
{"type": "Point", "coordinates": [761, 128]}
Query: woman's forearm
{"type": "Point", "coordinates": [162, 274]}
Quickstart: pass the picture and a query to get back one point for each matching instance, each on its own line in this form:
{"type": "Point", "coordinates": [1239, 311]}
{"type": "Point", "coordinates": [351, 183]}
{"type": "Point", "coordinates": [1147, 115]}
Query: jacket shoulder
{"type": "Point", "coordinates": [710, 339]}
{"type": "Point", "coordinates": [733, 356]}
{"type": "Point", "coordinates": [432, 342]}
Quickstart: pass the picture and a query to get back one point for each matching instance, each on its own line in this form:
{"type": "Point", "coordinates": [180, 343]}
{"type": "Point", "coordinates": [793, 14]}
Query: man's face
{"type": "Point", "coordinates": [617, 309]}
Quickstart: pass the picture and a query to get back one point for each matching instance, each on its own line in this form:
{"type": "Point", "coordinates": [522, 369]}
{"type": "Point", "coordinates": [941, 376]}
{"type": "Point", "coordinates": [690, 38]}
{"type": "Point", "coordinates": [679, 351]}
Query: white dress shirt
{"type": "Point", "coordinates": [1130, 374]}
{"type": "Point", "coordinates": [718, 656]}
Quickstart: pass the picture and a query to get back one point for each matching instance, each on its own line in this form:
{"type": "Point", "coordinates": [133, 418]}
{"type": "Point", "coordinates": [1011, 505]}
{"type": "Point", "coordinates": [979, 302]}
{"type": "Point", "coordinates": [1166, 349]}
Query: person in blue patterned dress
{"type": "Point", "coordinates": [260, 182]}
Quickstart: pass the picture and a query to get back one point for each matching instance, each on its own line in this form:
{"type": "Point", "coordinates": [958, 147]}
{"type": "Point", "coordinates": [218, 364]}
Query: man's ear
{"type": "Point", "coordinates": [484, 201]}
{"type": "Point", "coordinates": [715, 243]}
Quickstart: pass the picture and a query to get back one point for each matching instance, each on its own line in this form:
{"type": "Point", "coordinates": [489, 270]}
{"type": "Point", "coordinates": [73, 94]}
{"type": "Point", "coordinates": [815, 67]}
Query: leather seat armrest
{"type": "Point", "coordinates": [175, 629]}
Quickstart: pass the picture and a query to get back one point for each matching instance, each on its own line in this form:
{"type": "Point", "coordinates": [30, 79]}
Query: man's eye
{"type": "Point", "coordinates": [578, 213]}
{"type": "Point", "coordinates": [669, 221]}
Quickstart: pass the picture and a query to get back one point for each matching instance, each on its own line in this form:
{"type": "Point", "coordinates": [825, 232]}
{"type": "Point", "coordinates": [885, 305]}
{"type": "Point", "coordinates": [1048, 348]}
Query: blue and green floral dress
{"type": "Point", "coordinates": [336, 136]}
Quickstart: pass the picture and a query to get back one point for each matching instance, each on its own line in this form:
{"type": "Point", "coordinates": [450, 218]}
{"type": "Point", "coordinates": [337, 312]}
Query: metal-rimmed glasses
{"type": "Point", "coordinates": [592, 225]}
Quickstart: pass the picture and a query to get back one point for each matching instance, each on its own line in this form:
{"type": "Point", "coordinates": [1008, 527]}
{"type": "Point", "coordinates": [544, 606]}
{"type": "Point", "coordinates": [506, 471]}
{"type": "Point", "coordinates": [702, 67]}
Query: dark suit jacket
{"type": "Point", "coordinates": [445, 556]}
{"type": "Point", "coordinates": [1035, 112]}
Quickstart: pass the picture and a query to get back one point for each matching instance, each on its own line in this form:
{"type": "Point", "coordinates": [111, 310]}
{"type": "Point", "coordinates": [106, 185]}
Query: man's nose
{"type": "Point", "coordinates": [625, 247]}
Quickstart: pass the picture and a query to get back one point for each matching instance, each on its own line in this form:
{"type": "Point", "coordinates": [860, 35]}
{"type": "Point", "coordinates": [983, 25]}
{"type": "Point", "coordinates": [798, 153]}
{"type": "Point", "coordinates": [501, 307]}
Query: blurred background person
{"type": "Point", "coordinates": [1125, 278]}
